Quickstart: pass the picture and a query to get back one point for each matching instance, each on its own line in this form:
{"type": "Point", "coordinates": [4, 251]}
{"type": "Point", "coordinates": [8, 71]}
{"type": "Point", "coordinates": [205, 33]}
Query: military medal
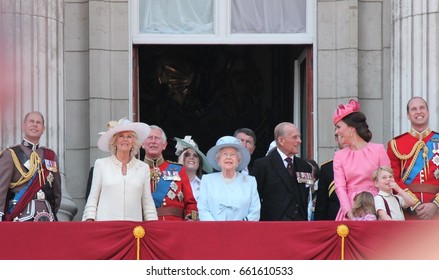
{"type": "Point", "coordinates": [436, 160]}
{"type": "Point", "coordinates": [180, 196]}
{"type": "Point", "coordinates": [303, 177]}
{"type": "Point", "coordinates": [436, 174]}
{"type": "Point", "coordinates": [174, 186]}
{"type": "Point", "coordinates": [176, 176]}
{"type": "Point", "coordinates": [435, 147]}
{"type": "Point", "coordinates": [51, 165]}
{"type": "Point", "coordinates": [167, 175]}
{"type": "Point", "coordinates": [310, 180]}
{"type": "Point", "coordinates": [171, 195]}
{"type": "Point", "coordinates": [299, 179]}
{"type": "Point", "coordinates": [50, 179]}
{"type": "Point", "coordinates": [41, 195]}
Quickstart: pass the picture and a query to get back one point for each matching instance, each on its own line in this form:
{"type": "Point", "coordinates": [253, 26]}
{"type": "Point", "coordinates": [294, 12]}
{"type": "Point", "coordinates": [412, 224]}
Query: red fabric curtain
{"type": "Point", "coordinates": [219, 240]}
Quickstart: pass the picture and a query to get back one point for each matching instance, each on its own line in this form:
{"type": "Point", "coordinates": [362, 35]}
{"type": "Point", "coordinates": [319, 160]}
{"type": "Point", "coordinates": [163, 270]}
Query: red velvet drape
{"type": "Point", "coordinates": [219, 240]}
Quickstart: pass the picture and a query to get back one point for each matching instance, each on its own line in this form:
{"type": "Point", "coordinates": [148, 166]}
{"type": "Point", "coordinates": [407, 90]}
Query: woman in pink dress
{"type": "Point", "coordinates": [355, 163]}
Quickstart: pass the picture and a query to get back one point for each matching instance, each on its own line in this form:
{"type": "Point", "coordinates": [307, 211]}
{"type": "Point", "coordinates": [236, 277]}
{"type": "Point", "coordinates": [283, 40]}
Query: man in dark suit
{"type": "Point", "coordinates": [282, 178]}
{"type": "Point", "coordinates": [327, 204]}
{"type": "Point", "coordinates": [248, 140]}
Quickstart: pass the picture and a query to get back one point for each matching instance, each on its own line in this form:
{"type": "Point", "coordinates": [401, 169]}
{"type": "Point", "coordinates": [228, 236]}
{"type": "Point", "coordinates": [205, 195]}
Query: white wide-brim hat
{"type": "Point", "coordinates": [228, 142]}
{"type": "Point", "coordinates": [183, 142]}
{"type": "Point", "coordinates": [142, 131]}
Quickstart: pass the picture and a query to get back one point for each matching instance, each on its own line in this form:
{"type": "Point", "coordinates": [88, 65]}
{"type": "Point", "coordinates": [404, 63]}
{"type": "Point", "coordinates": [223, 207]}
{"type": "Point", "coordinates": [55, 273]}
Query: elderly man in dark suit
{"type": "Point", "coordinates": [283, 178]}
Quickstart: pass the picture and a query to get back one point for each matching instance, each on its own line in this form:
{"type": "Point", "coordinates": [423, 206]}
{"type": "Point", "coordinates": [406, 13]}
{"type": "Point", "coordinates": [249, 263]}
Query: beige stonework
{"type": "Point", "coordinates": [353, 62]}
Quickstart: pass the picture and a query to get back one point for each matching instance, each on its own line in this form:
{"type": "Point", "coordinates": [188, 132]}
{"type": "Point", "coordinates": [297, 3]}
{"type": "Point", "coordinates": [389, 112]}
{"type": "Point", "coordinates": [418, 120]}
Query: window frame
{"type": "Point", "coordinates": [222, 30]}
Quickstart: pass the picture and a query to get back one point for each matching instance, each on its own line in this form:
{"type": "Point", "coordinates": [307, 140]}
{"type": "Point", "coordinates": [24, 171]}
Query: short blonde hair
{"type": "Point", "coordinates": [377, 172]}
{"type": "Point", "coordinates": [136, 144]}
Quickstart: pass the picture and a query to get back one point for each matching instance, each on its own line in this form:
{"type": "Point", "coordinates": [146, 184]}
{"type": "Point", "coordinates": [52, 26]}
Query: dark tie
{"type": "Point", "coordinates": [289, 165]}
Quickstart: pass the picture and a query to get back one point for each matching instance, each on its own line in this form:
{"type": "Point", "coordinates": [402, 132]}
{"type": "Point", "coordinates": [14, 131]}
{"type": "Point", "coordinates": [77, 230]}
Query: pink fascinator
{"type": "Point", "coordinates": [345, 109]}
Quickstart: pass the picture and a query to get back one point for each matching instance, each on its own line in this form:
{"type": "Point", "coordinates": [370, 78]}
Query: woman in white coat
{"type": "Point", "coordinates": [228, 195]}
{"type": "Point", "coordinates": [120, 188]}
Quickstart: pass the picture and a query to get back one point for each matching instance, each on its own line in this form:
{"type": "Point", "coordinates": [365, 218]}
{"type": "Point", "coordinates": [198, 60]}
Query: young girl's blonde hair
{"type": "Point", "coordinates": [363, 204]}
{"type": "Point", "coordinates": [376, 173]}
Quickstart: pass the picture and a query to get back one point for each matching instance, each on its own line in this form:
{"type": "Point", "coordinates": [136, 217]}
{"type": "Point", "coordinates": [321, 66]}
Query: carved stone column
{"type": "Point", "coordinates": [415, 58]}
{"type": "Point", "coordinates": [32, 68]}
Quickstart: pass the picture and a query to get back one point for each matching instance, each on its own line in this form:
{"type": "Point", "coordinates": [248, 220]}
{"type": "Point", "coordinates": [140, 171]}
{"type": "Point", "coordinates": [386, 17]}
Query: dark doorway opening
{"type": "Point", "coordinates": [208, 91]}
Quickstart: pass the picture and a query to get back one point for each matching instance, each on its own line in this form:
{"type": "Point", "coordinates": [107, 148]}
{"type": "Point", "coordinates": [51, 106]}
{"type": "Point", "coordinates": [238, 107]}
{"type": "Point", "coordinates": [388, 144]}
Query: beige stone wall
{"type": "Point", "coordinates": [96, 82]}
{"type": "Point", "coordinates": [353, 61]}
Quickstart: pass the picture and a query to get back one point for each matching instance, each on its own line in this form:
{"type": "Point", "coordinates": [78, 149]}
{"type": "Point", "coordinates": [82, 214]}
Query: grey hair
{"type": "Point", "coordinates": [238, 154]}
{"type": "Point", "coordinates": [279, 130]}
{"type": "Point", "coordinates": [161, 130]}
{"type": "Point", "coordinates": [246, 131]}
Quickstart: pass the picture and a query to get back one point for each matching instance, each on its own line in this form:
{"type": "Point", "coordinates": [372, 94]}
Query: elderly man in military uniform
{"type": "Point", "coordinates": [171, 188]}
{"type": "Point", "coordinates": [414, 157]}
{"type": "Point", "coordinates": [30, 183]}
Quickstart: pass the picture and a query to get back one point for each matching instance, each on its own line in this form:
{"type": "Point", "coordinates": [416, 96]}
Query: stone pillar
{"type": "Point", "coordinates": [337, 65]}
{"type": "Point", "coordinates": [415, 69]}
{"type": "Point", "coordinates": [353, 61]}
{"type": "Point", "coordinates": [32, 67]}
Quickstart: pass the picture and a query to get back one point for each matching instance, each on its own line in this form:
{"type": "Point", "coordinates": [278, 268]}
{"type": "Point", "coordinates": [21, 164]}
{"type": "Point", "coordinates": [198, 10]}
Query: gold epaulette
{"type": "Point", "coordinates": [328, 161]}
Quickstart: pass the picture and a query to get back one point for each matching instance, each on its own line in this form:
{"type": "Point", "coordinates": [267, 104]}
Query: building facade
{"type": "Point", "coordinates": [80, 62]}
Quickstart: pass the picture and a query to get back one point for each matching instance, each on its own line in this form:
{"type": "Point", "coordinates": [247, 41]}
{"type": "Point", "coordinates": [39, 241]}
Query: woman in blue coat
{"type": "Point", "coordinates": [228, 195]}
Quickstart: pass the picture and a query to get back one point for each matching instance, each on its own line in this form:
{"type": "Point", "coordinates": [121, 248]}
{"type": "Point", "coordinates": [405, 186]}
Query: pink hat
{"type": "Point", "coordinates": [345, 109]}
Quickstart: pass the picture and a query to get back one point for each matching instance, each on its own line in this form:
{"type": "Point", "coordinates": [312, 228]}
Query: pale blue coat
{"type": "Point", "coordinates": [235, 200]}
